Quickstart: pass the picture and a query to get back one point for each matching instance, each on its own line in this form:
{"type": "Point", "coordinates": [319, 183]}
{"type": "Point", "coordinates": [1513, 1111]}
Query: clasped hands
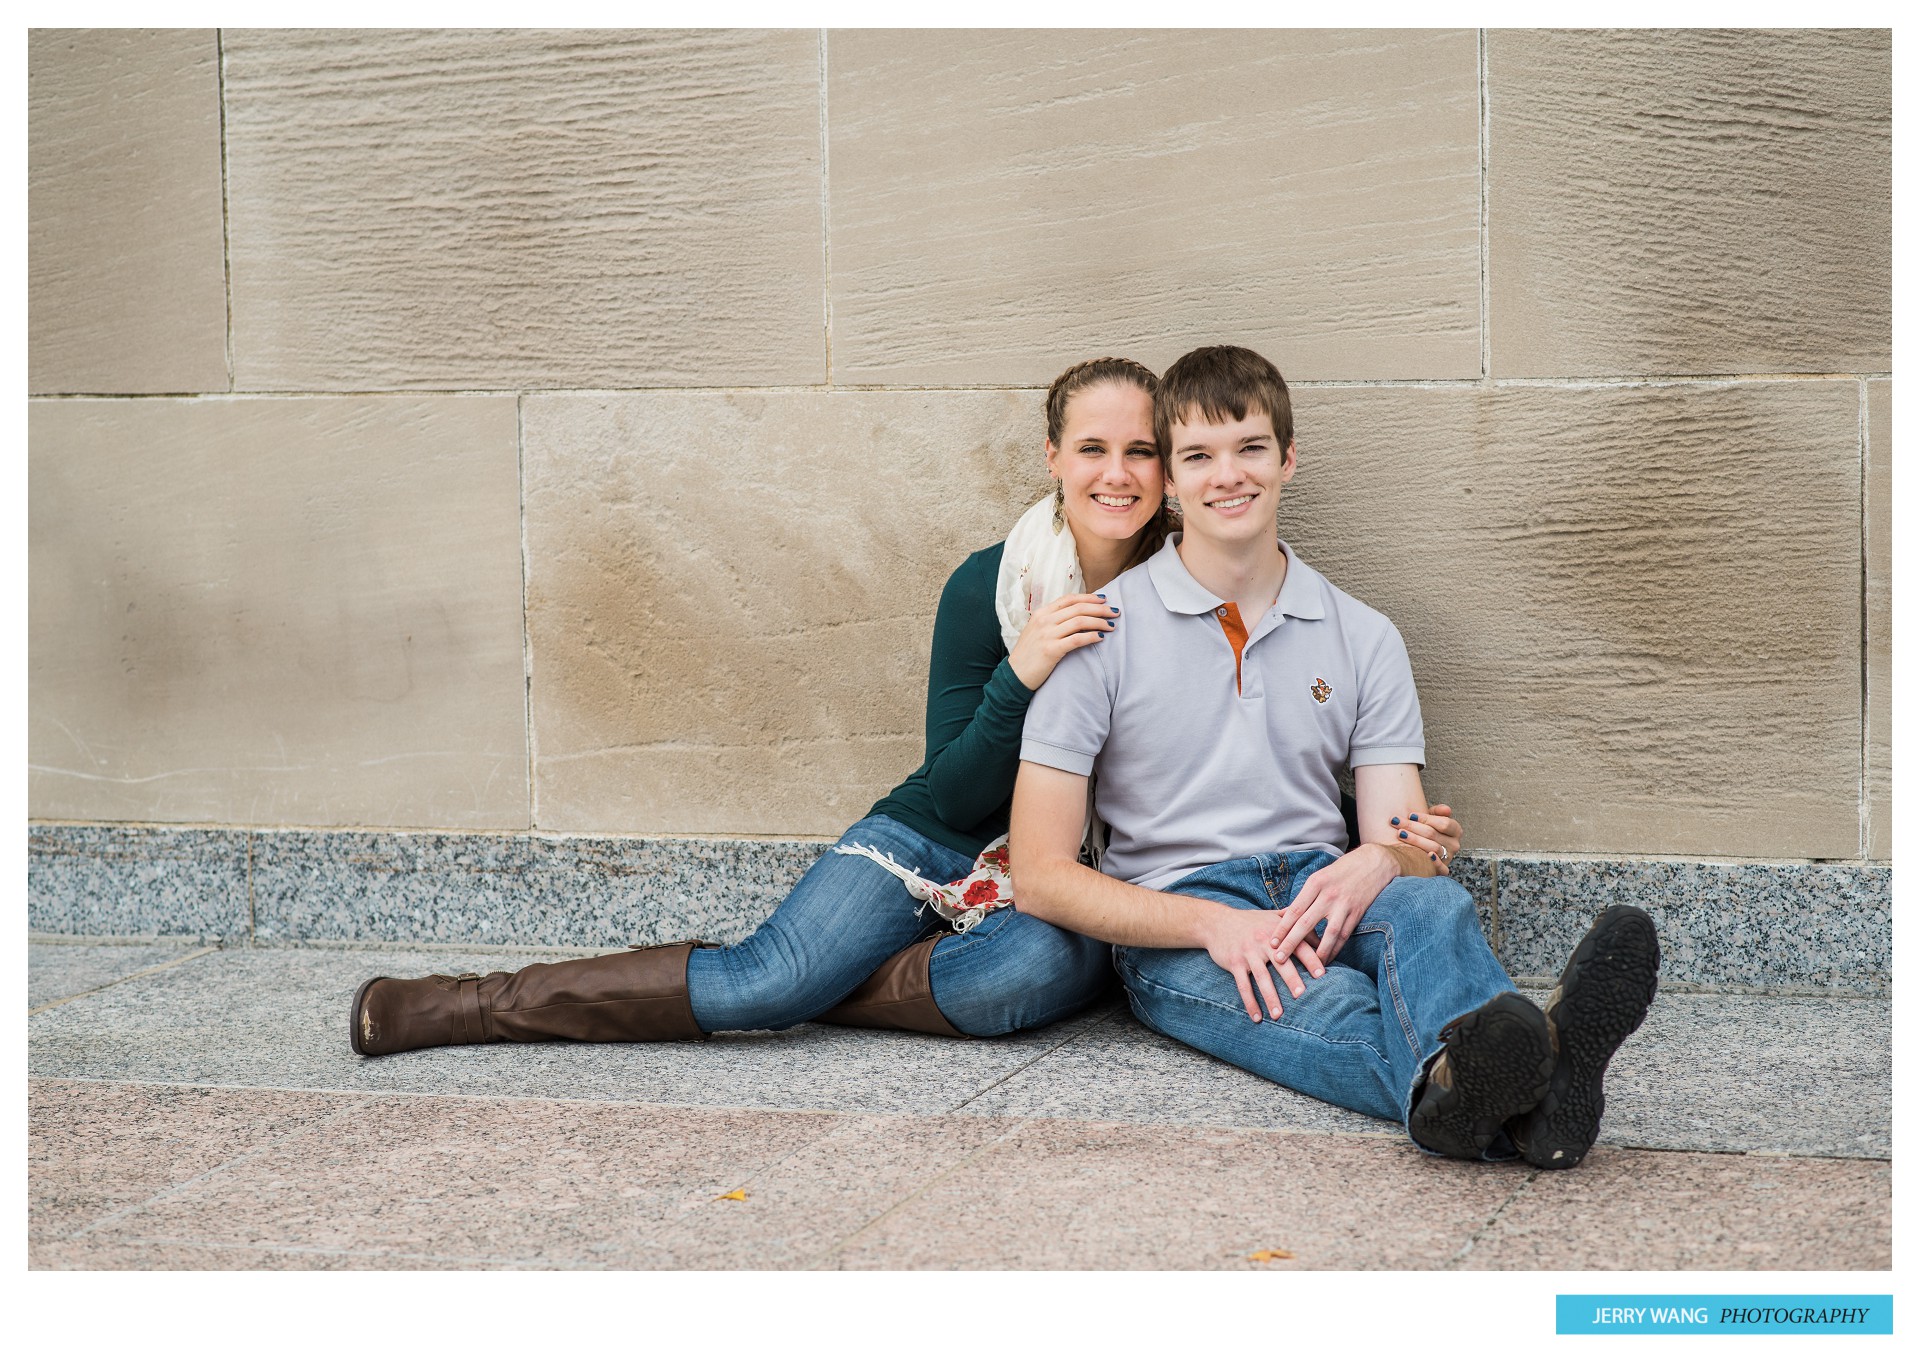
{"type": "Point", "coordinates": [1251, 945]}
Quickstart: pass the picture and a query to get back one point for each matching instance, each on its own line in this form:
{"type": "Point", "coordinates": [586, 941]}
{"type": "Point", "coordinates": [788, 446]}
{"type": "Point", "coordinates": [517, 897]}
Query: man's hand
{"type": "Point", "coordinates": [1241, 943]}
{"type": "Point", "coordinates": [1339, 894]}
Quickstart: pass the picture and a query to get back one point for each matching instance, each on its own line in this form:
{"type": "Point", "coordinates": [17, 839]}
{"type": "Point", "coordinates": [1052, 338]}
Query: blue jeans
{"type": "Point", "coordinates": [848, 915]}
{"type": "Point", "coordinates": [1363, 1034]}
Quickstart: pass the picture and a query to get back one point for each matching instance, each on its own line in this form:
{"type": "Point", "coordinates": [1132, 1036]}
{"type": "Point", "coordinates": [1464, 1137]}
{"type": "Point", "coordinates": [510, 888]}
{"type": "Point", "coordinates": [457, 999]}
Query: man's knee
{"type": "Point", "coordinates": [1429, 902]}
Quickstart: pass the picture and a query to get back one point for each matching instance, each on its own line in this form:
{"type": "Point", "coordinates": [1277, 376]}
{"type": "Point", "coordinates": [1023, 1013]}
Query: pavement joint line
{"type": "Point", "coordinates": [985, 1147]}
{"type": "Point", "coordinates": [503, 1098]}
{"type": "Point", "coordinates": [88, 1230]}
{"type": "Point", "coordinates": [1024, 1067]}
{"type": "Point", "coordinates": [148, 971]}
{"type": "Point", "coordinates": [1487, 1225]}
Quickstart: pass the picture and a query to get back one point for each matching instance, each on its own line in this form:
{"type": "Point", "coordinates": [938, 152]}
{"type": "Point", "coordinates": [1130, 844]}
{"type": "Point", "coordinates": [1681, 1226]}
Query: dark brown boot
{"type": "Point", "coordinates": [638, 995]}
{"type": "Point", "coordinates": [898, 995]}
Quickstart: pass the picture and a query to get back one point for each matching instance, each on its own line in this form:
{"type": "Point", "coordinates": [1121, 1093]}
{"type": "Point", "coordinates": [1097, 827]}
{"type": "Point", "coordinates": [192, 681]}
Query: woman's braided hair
{"type": "Point", "coordinates": [1101, 371]}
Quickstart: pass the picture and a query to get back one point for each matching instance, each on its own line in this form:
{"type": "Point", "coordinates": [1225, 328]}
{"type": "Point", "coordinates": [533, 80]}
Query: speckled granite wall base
{"type": "Point", "coordinates": [1764, 926]}
{"type": "Point", "coordinates": [573, 892]}
{"type": "Point", "coordinates": [115, 880]}
{"type": "Point", "coordinates": [1821, 925]}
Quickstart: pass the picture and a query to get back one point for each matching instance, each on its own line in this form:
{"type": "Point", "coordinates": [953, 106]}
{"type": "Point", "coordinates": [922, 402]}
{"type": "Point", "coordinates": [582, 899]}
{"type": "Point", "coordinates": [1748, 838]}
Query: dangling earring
{"type": "Point", "coordinates": [1059, 506]}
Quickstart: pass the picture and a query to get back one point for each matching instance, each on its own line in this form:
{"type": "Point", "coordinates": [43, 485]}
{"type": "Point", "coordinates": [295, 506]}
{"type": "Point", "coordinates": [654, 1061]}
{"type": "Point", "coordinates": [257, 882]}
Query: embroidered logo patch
{"type": "Point", "coordinates": [1320, 690]}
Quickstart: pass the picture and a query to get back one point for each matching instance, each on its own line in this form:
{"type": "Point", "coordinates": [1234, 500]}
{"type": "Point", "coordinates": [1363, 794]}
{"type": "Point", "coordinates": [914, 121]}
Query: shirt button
{"type": "Point", "coordinates": [1222, 612]}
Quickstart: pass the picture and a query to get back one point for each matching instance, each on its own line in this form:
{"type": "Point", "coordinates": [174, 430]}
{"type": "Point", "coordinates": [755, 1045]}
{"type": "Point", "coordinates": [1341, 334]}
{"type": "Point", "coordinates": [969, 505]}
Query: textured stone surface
{"type": "Point", "coordinates": [800, 1209]}
{"type": "Point", "coordinates": [182, 1178]}
{"type": "Point", "coordinates": [730, 596]}
{"type": "Point", "coordinates": [424, 1176]}
{"type": "Point", "coordinates": [1719, 924]}
{"type": "Point", "coordinates": [1003, 203]}
{"type": "Point", "coordinates": [1634, 613]}
{"type": "Point", "coordinates": [61, 971]}
{"type": "Point", "coordinates": [103, 880]}
{"type": "Point", "coordinates": [526, 209]}
{"type": "Point", "coordinates": [125, 264]}
{"type": "Point", "coordinates": [361, 887]}
{"type": "Point", "coordinates": [97, 1150]}
{"type": "Point", "coordinates": [1879, 528]}
{"type": "Point", "coordinates": [276, 611]}
{"type": "Point", "coordinates": [1789, 1074]}
{"type": "Point", "coordinates": [1072, 1195]}
{"type": "Point", "coordinates": [1673, 1212]}
{"type": "Point", "coordinates": [1690, 202]}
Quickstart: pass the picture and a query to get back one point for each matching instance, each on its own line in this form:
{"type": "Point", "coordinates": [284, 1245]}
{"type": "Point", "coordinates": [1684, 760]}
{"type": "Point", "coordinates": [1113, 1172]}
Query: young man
{"type": "Point", "coordinates": [1215, 723]}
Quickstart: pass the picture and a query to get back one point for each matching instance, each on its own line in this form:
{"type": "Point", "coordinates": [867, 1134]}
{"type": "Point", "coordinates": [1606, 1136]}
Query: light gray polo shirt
{"type": "Point", "coordinates": [1202, 753]}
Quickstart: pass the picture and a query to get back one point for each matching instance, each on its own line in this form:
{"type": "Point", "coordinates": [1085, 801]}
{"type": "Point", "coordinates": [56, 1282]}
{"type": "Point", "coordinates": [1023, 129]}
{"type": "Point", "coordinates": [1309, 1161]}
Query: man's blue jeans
{"type": "Point", "coordinates": [1362, 1035]}
{"type": "Point", "coordinates": [848, 915]}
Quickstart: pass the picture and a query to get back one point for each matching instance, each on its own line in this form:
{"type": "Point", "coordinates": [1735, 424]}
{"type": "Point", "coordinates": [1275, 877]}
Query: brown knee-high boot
{"type": "Point", "coordinates": [638, 995]}
{"type": "Point", "coordinates": [899, 994]}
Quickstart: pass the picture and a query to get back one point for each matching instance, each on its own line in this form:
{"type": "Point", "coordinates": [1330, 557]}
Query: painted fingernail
{"type": "Point", "coordinates": [1394, 822]}
{"type": "Point", "coordinates": [1413, 816]}
{"type": "Point", "coordinates": [1101, 594]}
{"type": "Point", "coordinates": [1434, 857]}
{"type": "Point", "coordinates": [1403, 834]}
{"type": "Point", "coordinates": [1109, 623]}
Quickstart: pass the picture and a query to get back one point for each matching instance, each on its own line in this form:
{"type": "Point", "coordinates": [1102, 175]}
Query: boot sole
{"type": "Point", "coordinates": [1605, 993]}
{"type": "Point", "coordinates": [1501, 1061]}
{"type": "Point", "coordinates": [353, 1022]}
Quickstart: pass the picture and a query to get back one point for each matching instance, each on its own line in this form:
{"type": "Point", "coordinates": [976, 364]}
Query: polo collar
{"type": "Point", "coordinates": [1299, 598]}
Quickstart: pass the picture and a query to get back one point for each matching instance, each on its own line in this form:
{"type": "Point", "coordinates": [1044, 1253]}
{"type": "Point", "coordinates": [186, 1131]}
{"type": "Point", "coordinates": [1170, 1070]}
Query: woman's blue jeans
{"type": "Point", "coordinates": [848, 915]}
{"type": "Point", "coordinates": [1362, 1035]}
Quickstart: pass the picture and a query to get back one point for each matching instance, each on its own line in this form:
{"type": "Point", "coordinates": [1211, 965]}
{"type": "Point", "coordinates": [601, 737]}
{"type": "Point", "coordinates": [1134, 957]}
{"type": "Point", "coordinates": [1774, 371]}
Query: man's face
{"type": "Point", "coordinates": [1228, 477]}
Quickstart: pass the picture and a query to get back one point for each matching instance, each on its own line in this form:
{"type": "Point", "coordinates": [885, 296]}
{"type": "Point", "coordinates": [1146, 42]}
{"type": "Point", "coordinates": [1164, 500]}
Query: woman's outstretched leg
{"type": "Point", "coordinates": [843, 919]}
{"type": "Point", "coordinates": [836, 928]}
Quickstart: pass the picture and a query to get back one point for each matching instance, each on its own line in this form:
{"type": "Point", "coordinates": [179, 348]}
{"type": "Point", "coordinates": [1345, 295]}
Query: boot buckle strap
{"type": "Point", "coordinates": [470, 1014]}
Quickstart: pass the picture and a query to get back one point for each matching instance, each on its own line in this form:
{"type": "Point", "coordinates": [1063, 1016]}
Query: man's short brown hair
{"type": "Point", "coordinates": [1222, 384]}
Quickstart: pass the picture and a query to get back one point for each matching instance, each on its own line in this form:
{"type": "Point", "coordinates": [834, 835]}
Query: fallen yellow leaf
{"type": "Point", "coordinates": [739, 1195]}
{"type": "Point", "coordinates": [1268, 1255]}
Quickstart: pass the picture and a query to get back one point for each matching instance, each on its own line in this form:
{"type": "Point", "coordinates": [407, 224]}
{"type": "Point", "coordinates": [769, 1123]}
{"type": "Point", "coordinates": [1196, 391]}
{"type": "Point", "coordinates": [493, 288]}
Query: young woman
{"type": "Point", "coordinates": [853, 943]}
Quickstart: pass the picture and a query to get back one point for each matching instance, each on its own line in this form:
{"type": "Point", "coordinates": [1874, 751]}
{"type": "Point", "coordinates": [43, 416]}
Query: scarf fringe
{"type": "Point", "coordinates": [932, 894]}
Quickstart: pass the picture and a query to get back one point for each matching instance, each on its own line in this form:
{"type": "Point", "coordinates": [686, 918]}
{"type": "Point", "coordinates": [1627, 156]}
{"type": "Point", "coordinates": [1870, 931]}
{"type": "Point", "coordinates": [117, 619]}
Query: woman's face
{"type": "Point", "coordinates": [1106, 462]}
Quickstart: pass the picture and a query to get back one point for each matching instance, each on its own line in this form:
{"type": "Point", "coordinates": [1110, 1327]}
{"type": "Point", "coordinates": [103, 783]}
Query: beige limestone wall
{"type": "Point", "coordinates": [572, 431]}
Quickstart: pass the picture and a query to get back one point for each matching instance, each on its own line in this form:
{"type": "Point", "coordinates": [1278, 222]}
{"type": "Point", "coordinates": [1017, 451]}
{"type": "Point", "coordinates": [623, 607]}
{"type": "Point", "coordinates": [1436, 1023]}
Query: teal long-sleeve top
{"type": "Point", "coordinates": [961, 794]}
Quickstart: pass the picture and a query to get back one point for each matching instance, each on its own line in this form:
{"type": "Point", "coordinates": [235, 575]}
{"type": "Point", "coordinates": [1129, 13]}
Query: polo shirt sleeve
{"type": "Point", "coordinates": [1388, 730]}
{"type": "Point", "coordinates": [1068, 720]}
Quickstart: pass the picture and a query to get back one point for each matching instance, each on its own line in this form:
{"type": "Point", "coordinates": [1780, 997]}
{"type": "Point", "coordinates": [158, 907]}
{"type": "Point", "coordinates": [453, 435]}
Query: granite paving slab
{"type": "Point", "coordinates": [93, 1255]}
{"type": "Point", "coordinates": [63, 970]}
{"type": "Point", "coordinates": [400, 1181]}
{"type": "Point", "coordinates": [1101, 1195]}
{"type": "Point", "coordinates": [96, 1149]}
{"type": "Point", "coordinates": [277, 1018]}
{"type": "Point", "coordinates": [796, 1212]}
{"type": "Point", "coordinates": [1636, 1209]}
{"type": "Point", "coordinates": [478, 1179]}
